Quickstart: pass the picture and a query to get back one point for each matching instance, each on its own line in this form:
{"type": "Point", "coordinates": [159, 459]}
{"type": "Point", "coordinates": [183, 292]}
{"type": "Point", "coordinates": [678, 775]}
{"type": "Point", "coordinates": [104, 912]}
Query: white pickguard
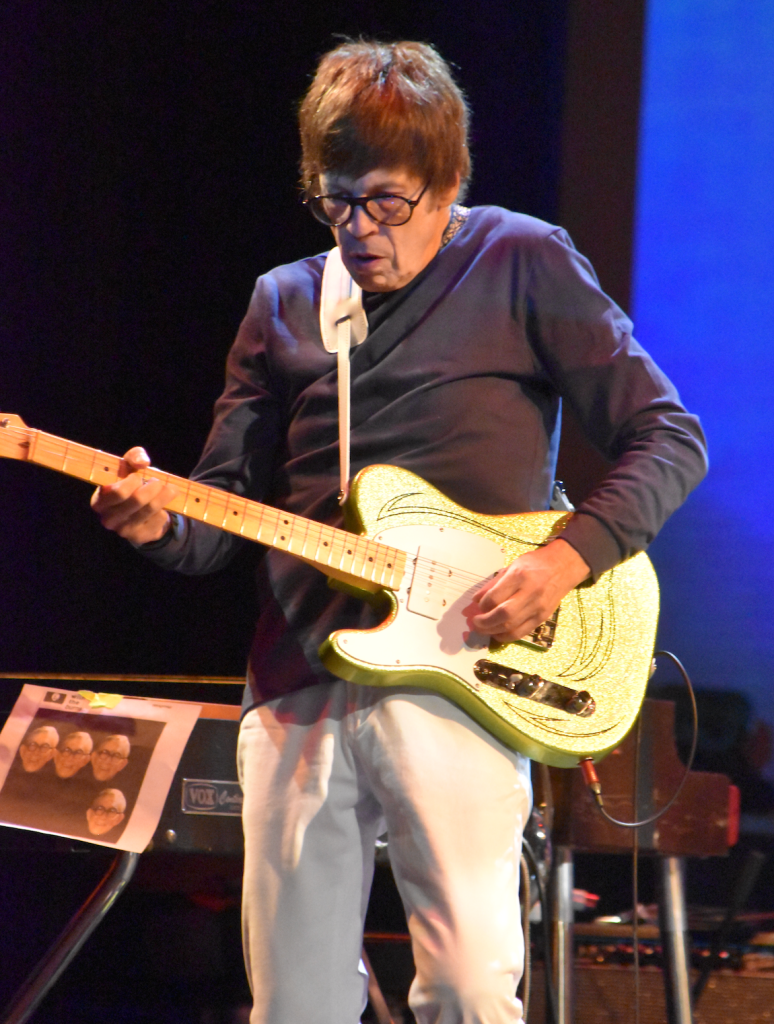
{"type": "Point", "coordinates": [430, 626]}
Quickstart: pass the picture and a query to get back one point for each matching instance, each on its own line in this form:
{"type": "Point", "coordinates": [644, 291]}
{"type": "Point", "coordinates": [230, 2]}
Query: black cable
{"type": "Point", "coordinates": [635, 874]}
{"type": "Point", "coordinates": [546, 922]}
{"type": "Point", "coordinates": [593, 782]}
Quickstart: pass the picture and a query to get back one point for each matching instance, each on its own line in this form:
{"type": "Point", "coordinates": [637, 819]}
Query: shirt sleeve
{"type": "Point", "coordinates": [627, 407]}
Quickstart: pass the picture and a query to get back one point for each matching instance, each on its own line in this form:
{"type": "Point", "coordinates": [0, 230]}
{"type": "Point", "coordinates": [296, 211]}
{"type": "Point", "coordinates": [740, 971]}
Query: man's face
{"type": "Point", "coordinates": [38, 748]}
{"type": "Point", "coordinates": [110, 757]}
{"type": "Point", "coordinates": [73, 754]}
{"type": "Point", "coordinates": [382, 258]}
{"type": "Point", "coordinates": [107, 811]}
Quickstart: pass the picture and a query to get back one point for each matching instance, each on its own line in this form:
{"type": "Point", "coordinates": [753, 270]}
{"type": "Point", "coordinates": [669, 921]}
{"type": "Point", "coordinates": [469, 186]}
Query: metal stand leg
{"type": "Point", "coordinates": [564, 952]}
{"type": "Point", "coordinates": [80, 927]}
{"type": "Point", "coordinates": [675, 940]}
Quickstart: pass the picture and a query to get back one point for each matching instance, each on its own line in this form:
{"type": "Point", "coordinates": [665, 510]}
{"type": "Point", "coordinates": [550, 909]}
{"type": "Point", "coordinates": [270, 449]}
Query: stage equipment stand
{"type": "Point", "coordinates": [703, 822]}
{"type": "Point", "coordinates": [675, 939]}
{"type": "Point", "coordinates": [563, 941]}
{"type": "Point", "coordinates": [66, 946]}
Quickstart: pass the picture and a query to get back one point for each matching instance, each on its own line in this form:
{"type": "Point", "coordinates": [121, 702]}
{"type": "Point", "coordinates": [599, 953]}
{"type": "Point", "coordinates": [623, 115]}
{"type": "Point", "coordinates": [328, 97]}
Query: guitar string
{"type": "Point", "coordinates": [460, 581]}
{"type": "Point", "coordinates": [299, 526]}
{"type": "Point", "coordinates": [425, 567]}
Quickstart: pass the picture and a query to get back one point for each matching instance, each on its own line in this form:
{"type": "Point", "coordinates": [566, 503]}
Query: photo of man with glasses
{"type": "Point", "coordinates": [106, 812]}
{"type": "Point", "coordinates": [72, 754]}
{"type": "Point", "coordinates": [23, 784]}
{"type": "Point", "coordinates": [110, 757]}
{"type": "Point", "coordinates": [37, 748]}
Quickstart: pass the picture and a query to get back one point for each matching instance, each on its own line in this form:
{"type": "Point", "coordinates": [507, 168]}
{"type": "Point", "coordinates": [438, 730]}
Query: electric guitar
{"type": "Point", "coordinates": [570, 690]}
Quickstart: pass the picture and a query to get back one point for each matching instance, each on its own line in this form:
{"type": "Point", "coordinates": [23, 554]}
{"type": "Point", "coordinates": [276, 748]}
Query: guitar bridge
{"type": "Point", "coordinates": [543, 635]}
{"type": "Point", "coordinates": [534, 687]}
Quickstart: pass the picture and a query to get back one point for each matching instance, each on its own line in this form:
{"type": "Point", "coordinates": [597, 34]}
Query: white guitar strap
{"type": "Point", "coordinates": [343, 323]}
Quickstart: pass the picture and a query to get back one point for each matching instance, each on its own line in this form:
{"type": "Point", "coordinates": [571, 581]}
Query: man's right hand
{"type": "Point", "coordinates": [131, 507]}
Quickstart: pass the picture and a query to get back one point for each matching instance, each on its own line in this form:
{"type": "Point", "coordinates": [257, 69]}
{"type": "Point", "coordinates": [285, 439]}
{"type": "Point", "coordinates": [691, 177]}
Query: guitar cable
{"type": "Point", "coordinates": [592, 779]}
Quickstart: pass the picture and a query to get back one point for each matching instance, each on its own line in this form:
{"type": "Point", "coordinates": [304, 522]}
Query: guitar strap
{"type": "Point", "coordinates": [343, 323]}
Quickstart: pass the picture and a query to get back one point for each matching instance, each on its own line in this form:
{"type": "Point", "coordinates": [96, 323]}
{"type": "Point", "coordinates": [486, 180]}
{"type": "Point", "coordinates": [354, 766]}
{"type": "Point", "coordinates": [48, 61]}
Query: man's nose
{"type": "Point", "coordinates": [360, 224]}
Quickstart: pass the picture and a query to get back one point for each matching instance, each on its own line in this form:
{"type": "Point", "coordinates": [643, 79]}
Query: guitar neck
{"type": "Point", "coordinates": [353, 559]}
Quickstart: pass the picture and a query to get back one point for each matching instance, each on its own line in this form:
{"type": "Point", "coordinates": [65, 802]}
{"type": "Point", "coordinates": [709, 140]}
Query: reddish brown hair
{"type": "Point", "coordinates": [385, 105]}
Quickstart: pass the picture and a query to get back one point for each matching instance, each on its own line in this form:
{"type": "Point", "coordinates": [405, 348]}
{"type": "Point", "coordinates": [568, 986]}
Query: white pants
{"type": "Point", "coordinates": [323, 770]}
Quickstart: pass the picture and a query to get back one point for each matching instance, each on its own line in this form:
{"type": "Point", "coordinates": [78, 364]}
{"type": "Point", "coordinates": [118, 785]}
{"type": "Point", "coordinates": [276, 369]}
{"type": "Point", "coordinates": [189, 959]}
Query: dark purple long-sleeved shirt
{"type": "Point", "coordinates": [460, 381]}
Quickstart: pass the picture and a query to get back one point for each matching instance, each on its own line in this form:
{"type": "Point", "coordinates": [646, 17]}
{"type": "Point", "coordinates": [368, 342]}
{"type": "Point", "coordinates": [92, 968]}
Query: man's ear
{"type": "Point", "coordinates": [448, 195]}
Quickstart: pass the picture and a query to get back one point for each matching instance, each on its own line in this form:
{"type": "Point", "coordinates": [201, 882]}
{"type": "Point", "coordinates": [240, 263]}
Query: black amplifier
{"type": "Point", "coordinates": [204, 806]}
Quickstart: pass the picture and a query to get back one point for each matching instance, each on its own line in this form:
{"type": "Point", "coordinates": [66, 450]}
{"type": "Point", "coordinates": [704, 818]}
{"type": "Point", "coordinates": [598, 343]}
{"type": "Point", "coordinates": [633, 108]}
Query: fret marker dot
{"type": "Point", "coordinates": [349, 551]}
{"type": "Point", "coordinates": [370, 559]}
{"type": "Point", "coordinates": [282, 538]}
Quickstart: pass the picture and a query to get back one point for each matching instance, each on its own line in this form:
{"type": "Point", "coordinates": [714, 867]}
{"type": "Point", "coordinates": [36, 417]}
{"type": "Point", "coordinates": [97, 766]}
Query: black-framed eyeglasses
{"type": "Point", "coordinates": [336, 210]}
{"type": "Point", "coordinates": [113, 755]}
{"type": "Point", "coordinates": [32, 745]}
{"type": "Point", "coordinates": [109, 811]}
{"type": "Point", "coordinates": [74, 753]}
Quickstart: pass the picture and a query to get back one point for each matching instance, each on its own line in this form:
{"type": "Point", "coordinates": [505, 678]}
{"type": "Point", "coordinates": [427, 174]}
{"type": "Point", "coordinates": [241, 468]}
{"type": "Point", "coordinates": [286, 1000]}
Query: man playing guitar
{"type": "Point", "coordinates": [479, 322]}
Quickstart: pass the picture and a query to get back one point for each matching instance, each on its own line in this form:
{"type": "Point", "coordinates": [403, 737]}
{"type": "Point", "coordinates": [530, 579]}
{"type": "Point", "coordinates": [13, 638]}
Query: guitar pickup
{"type": "Point", "coordinates": [534, 687]}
